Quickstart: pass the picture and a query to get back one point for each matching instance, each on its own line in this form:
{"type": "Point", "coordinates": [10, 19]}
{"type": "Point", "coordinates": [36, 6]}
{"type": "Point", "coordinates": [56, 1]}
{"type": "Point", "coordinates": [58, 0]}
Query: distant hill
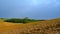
{"type": "Point", "coordinates": [41, 27]}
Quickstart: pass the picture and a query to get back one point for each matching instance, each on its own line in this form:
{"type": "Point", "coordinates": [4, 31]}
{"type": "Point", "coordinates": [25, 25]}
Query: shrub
{"type": "Point", "coordinates": [17, 20]}
{"type": "Point", "coordinates": [14, 20]}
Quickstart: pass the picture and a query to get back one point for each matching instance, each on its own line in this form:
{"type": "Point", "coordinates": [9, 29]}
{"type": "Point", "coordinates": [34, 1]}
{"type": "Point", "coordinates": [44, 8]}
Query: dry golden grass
{"type": "Point", "coordinates": [41, 27]}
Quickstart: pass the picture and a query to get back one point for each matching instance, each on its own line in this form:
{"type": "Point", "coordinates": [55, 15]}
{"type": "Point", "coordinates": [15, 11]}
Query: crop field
{"type": "Point", "coordinates": [40, 27]}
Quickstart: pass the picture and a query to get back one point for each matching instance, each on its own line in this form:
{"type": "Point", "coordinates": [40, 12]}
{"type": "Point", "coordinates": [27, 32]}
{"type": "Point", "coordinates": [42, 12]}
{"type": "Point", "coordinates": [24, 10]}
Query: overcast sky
{"type": "Point", "coordinates": [36, 9]}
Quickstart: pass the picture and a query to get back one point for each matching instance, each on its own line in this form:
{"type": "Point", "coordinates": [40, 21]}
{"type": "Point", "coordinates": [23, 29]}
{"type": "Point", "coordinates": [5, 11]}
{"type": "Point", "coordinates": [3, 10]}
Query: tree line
{"type": "Point", "coordinates": [19, 20]}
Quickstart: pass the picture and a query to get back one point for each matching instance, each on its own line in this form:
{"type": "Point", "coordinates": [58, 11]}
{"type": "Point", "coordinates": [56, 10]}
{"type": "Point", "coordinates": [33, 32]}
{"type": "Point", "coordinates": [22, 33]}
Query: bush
{"type": "Point", "coordinates": [25, 20]}
{"type": "Point", "coordinates": [14, 20]}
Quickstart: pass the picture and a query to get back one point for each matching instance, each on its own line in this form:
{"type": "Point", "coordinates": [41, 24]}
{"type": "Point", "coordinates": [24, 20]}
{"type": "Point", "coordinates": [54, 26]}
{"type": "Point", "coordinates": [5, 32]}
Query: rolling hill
{"type": "Point", "coordinates": [41, 27]}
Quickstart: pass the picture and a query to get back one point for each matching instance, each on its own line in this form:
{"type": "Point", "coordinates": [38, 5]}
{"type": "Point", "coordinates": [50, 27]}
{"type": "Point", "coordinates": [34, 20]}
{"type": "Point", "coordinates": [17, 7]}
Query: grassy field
{"type": "Point", "coordinates": [41, 27]}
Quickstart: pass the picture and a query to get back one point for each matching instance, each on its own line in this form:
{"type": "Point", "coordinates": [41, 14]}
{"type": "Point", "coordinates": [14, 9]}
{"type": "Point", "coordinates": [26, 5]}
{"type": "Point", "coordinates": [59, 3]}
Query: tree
{"type": "Point", "coordinates": [25, 20]}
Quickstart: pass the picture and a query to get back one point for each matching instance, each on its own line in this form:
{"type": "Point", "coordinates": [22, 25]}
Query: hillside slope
{"type": "Point", "coordinates": [41, 27]}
